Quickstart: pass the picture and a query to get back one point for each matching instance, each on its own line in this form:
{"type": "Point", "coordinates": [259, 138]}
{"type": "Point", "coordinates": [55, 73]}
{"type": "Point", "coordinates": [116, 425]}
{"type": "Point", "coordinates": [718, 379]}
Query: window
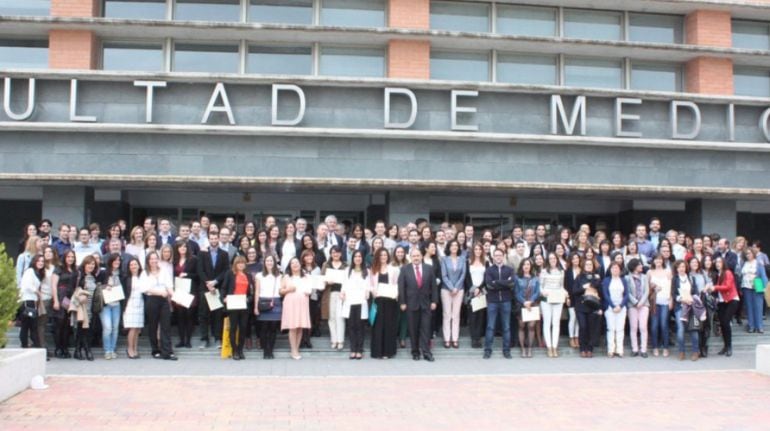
{"type": "Point", "coordinates": [751, 82]}
{"type": "Point", "coordinates": [353, 13]}
{"type": "Point", "coordinates": [583, 72]}
{"type": "Point", "coordinates": [343, 61]}
{"type": "Point", "coordinates": [132, 56]}
{"type": "Point", "coordinates": [526, 69]}
{"type": "Point", "coordinates": [281, 11]}
{"type": "Point", "coordinates": [280, 60]}
{"type": "Point", "coordinates": [751, 35]}
{"type": "Point", "coordinates": [526, 20]}
{"type": "Point", "coordinates": [207, 10]}
{"type": "Point", "coordinates": [135, 9]}
{"type": "Point", "coordinates": [25, 7]}
{"type": "Point", "coordinates": [23, 54]}
{"type": "Point", "coordinates": [656, 77]}
{"type": "Point", "coordinates": [592, 24]}
{"type": "Point", "coordinates": [655, 28]}
{"type": "Point", "coordinates": [459, 66]}
{"type": "Point", "coordinates": [470, 17]}
{"type": "Point", "coordinates": [206, 58]}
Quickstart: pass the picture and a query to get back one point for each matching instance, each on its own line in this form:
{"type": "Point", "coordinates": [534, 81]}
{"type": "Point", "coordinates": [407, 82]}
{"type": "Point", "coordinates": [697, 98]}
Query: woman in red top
{"type": "Point", "coordinates": [728, 303]}
{"type": "Point", "coordinates": [237, 282]}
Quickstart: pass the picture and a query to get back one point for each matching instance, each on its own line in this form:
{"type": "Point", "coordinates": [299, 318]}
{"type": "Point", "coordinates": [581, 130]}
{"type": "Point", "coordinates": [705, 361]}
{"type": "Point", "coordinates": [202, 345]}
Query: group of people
{"type": "Point", "coordinates": [402, 281]}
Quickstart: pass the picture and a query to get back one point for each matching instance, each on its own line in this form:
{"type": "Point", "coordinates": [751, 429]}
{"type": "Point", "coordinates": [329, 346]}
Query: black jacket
{"type": "Point", "coordinates": [207, 272]}
{"type": "Point", "coordinates": [413, 297]}
{"type": "Point", "coordinates": [500, 283]}
{"type": "Point", "coordinates": [578, 290]}
{"type": "Point", "coordinates": [228, 286]}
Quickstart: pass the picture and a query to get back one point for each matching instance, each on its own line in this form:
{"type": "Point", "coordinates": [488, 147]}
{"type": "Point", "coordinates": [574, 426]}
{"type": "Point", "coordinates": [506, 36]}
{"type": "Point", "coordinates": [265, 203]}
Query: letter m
{"type": "Point", "coordinates": [578, 112]}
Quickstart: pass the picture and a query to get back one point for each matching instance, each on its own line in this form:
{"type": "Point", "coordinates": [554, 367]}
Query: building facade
{"type": "Point", "coordinates": [558, 112]}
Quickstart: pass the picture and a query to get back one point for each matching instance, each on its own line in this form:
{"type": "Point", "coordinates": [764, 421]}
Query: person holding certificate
{"type": "Point", "coordinates": [453, 268]}
{"type": "Point", "coordinates": [133, 317]}
{"type": "Point", "coordinates": [237, 287]}
{"type": "Point", "coordinates": [474, 281]}
{"type": "Point", "coordinates": [615, 296]}
{"type": "Point", "coordinates": [110, 314]}
{"type": "Point", "coordinates": [552, 288]}
{"type": "Point", "coordinates": [588, 308]}
{"type": "Point", "coordinates": [417, 296]}
{"type": "Point", "coordinates": [385, 330]}
{"type": "Point", "coordinates": [158, 287]}
{"type": "Point", "coordinates": [296, 305]}
{"type": "Point", "coordinates": [527, 294]}
{"type": "Point", "coordinates": [354, 293]}
{"type": "Point", "coordinates": [268, 306]}
{"type": "Point", "coordinates": [185, 267]}
{"type": "Point", "coordinates": [660, 293]}
{"type": "Point", "coordinates": [334, 271]}
{"type": "Point", "coordinates": [307, 257]}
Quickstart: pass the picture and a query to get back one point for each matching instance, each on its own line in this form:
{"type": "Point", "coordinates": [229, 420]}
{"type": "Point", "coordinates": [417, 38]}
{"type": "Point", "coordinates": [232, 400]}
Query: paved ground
{"type": "Point", "coordinates": [712, 400]}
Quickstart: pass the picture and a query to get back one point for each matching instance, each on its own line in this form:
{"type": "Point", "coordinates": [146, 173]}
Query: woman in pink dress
{"type": "Point", "coordinates": [296, 305]}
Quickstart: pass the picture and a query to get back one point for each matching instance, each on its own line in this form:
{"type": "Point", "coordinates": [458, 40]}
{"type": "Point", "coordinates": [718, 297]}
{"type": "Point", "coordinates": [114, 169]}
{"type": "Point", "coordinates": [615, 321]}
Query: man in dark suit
{"type": "Point", "coordinates": [499, 281]}
{"type": "Point", "coordinates": [212, 266]}
{"type": "Point", "coordinates": [184, 235]}
{"type": "Point", "coordinates": [418, 295]}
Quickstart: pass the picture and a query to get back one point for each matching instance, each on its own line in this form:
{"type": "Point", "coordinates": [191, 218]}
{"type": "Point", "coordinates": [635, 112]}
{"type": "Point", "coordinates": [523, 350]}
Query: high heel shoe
{"type": "Point", "coordinates": [78, 354]}
{"type": "Point", "coordinates": [89, 355]}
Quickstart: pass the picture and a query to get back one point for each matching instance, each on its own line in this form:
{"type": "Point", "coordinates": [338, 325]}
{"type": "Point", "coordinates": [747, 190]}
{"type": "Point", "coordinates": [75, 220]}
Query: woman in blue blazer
{"type": "Point", "coordinates": [453, 269]}
{"type": "Point", "coordinates": [615, 300]}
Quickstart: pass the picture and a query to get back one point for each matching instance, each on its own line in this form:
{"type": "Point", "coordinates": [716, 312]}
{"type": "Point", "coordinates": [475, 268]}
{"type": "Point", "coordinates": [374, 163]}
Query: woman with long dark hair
{"type": "Point", "coordinates": [384, 343]}
{"type": "Point", "coordinates": [268, 305]}
{"type": "Point", "coordinates": [186, 267]}
{"type": "Point", "coordinates": [29, 289]}
{"type": "Point", "coordinates": [728, 302]}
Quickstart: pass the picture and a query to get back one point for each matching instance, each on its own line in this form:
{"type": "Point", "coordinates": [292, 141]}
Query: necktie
{"type": "Point", "coordinates": [418, 275]}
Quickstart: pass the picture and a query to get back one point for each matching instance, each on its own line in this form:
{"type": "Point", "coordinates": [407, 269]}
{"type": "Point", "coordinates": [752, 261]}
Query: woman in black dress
{"type": "Point", "coordinates": [385, 329]}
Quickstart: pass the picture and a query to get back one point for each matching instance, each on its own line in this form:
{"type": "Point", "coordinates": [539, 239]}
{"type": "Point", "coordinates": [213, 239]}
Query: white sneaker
{"type": "Point", "coordinates": [107, 356]}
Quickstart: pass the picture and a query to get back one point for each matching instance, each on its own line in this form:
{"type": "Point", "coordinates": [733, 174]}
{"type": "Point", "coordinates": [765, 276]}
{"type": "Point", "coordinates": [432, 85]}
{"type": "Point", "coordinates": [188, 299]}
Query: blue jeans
{"type": "Point", "coordinates": [495, 310]}
{"type": "Point", "coordinates": [660, 327]}
{"type": "Point", "coordinates": [680, 327]}
{"type": "Point", "coordinates": [110, 317]}
{"type": "Point", "coordinates": [754, 303]}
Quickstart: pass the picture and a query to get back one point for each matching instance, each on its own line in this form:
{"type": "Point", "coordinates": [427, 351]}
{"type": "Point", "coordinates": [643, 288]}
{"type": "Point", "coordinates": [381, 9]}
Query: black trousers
{"type": "Point", "coordinates": [726, 311]}
{"type": "Point", "coordinates": [209, 320]}
{"type": "Point", "coordinates": [239, 320]}
{"type": "Point", "coordinates": [267, 334]}
{"type": "Point", "coordinates": [477, 323]}
{"type": "Point", "coordinates": [28, 328]}
{"type": "Point", "coordinates": [61, 335]}
{"type": "Point", "coordinates": [590, 323]}
{"type": "Point", "coordinates": [184, 322]}
{"type": "Point", "coordinates": [159, 315]}
{"type": "Point", "coordinates": [419, 330]}
{"type": "Point", "coordinates": [356, 329]}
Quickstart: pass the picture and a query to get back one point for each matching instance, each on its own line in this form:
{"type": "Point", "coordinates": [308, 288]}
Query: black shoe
{"type": "Point", "coordinates": [235, 357]}
{"type": "Point", "coordinates": [635, 354]}
{"type": "Point", "coordinates": [487, 354]}
{"type": "Point", "coordinates": [416, 356]}
{"type": "Point", "coordinates": [78, 354]}
{"type": "Point", "coordinates": [179, 345]}
{"type": "Point", "coordinates": [729, 352]}
{"type": "Point", "coordinates": [476, 344]}
{"type": "Point", "coordinates": [170, 357]}
{"type": "Point", "coordinates": [428, 357]}
{"type": "Point", "coordinates": [187, 345]}
{"type": "Point", "coordinates": [644, 355]}
{"type": "Point", "coordinates": [89, 356]}
{"type": "Point", "coordinates": [156, 355]}
{"type": "Point", "coordinates": [507, 355]}
{"type": "Point", "coordinates": [723, 351]}
{"type": "Point", "coordinates": [66, 354]}
{"type": "Point", "coordinates": [750, 331]}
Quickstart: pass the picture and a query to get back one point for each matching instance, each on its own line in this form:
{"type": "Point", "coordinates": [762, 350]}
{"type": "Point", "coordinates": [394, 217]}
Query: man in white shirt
{"type": "Point", "coordinates": [225, 244]}
{"type": "Point", "coordinates": [301, 227]}
{"type": "Point", "coordinates": [165, 235]}
{"type": "Point", "coordinates": [84, 247]}
{"type": "Point", "coordinates": [332, 238]}
{"type": "Point", "coordinates": [380, 232]}
{"type": "Point", "coordinates": [441, 243]}
{"type": "Point", "coordinates": [196, 235]}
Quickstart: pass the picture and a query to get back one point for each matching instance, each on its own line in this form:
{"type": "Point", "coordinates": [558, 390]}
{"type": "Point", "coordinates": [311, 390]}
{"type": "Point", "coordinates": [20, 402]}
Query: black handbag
{"type": "Point", "coordinates": [693, 323]}
{"type": "Point", "coordinates": [30, 312]}
{"type": "Point", "coordinates": [265, 304]}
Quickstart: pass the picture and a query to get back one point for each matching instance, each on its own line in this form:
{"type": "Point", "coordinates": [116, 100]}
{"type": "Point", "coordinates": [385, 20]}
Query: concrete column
{"type": "Point", "coordinates": [713, 216]}
{"type": "Point", "coordinates": [67, 204]}
{"type": "Point", "coordinates": [405, 207]}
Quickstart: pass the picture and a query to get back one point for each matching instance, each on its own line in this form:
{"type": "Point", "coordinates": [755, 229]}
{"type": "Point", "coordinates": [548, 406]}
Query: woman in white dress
{"type": "Point", "coordinates": [136, 246]}
{"type": "Point", "coordinates": [133, 317]}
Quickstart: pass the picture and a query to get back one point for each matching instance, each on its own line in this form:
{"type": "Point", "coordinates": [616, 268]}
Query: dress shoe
{"type": "Point", "coordinates": [179, 345]}
{"type": "Point", "coordinates": [487, 354]}
{"type": "Point", "coordinates": [695, 356]}
{"type": "Point", "coordinates": [644, 355]}
{"type": "Point", "coordinates": [583, 355]}
{"type": "Point", "coordinates": [507, 355]}
{"type": "Point", "coordinates": [635, 354]}
{"type": "Point", "coordinates": [729, 352]}
{"type": "Point", "coordinates": [447, 345]}
{"type": "Point", "coordinates": [416, 356]}
{"type": "Point", "coordinates": [170, 357]}
{"type": "Point", "coordinates": [455, 345]}
{"type": "Point", "coordinates": [235, 357]}
{"type": "Point", "coordinates": [428, 357]}
{"type": "Point", "coordinates": [681, 356]}
{"type": "Point", "coordinates": [723, 351]}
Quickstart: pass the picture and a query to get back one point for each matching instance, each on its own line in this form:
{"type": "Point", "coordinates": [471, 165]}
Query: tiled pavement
{"type": "Point", "coordinates": [711, 400]}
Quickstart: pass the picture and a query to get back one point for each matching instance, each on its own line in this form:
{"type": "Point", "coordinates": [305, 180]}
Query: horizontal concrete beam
{"type": "Point", "coordinates": [288, 183]}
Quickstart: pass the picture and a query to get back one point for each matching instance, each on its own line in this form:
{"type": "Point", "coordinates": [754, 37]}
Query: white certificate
{"type": "Point", "coordinates": [355, 291]}
{"type": "Point", "coordinates": [304, 285]}
{"type": "Point", "coordinates": [478, 303]}
{"type": "Point", "coordinates": [531, 315]}
{"type": "Point", "coordinates": [182, 298]}
{"type": "Point", "coordinates": [236, 302]}
{"type": "Point", "coordinates": [182, 284]}
{"type": "Point", "coordinates": [556, 296]}
{"type": "Point", "coordinates": [113, 295]}
{"type": "Point", "coordinates": [336, 276]}
{"type": "Point", "coordinates": [319, 282]}
{"type": "Point", "coordinates": [212, 299]}
{"type": "Point", "coordinates": [387, 290]}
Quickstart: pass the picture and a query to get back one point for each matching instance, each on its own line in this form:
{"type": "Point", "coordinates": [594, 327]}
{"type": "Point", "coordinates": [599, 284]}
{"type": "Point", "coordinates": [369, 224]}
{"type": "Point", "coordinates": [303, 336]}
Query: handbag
{"type": "Point", "coordinates": [65, 304]}
{"type": "Point", "coordinates": [693, 323]}
{"type": "Point", "coordinates": [759, 285]}
{"type": "Point", "coordinates": [30, 312]}
{"type": "Point", "coordinates": [372, 313]}
{"type": "Point", "coordinates": [98, 300]}
{"type": "Point", "coordinates": [265, 304]}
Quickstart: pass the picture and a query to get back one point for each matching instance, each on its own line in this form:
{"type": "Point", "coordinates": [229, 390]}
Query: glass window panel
{"type": "Point", "coordinates": [655, 28]}
{"type": "Point", "coordinates": [581, 72]}
{"type": "Point", "coordinates": [206, 58]}
{"type": "Point", "coordinates": [207, 10]}
{"type": "Point", "coordinates": [281, 11]}
{"type": "Point", "coordinates": [352, 61]}
{"type": "Point", "coordinates": [751, 35]}
{"type": "Point", "coordinates": [526, 69]}
{"type": "Point", "coordinates": [280, 60]}
{"type": "Point", "coordinates": [25, 7]}
{"type": "Point", "coordinates": [353, 13]}
{"type": "Point", "coordinates": [459, 66]}
{"type": "Point", "coordinates": [592, 24]}
{"type": "Point", "coordinates": [471, 17]}
{"type": "Point", "coordinates": [132, 56]}
{"type": "Point", "coordinates": [751, 82]}
{"type": "Point", "coordinates": [526, 20]}
{"type": "Point", "coordinates": [24, 54]}
{"type": "Point", "coordinates": [656, 77]}
{"type": "Point", "coordinates": [135, 9]}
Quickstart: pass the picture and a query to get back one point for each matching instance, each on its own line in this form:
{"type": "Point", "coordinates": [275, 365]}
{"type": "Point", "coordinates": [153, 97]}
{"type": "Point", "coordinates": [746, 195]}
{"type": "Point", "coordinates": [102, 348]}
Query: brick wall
{"type": "Point", "coordinates": [74, 8]}
{"type": "Point", "coordinates": [72, 49]}
{"type": "Point", "coordinates": [409, 13]}
{"type": "Point", "coordinates": [709, 27]}
{"type": "Point", "coordinates": [408, 59]}
{"type": "Point", "coordinates": [709, 75]}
